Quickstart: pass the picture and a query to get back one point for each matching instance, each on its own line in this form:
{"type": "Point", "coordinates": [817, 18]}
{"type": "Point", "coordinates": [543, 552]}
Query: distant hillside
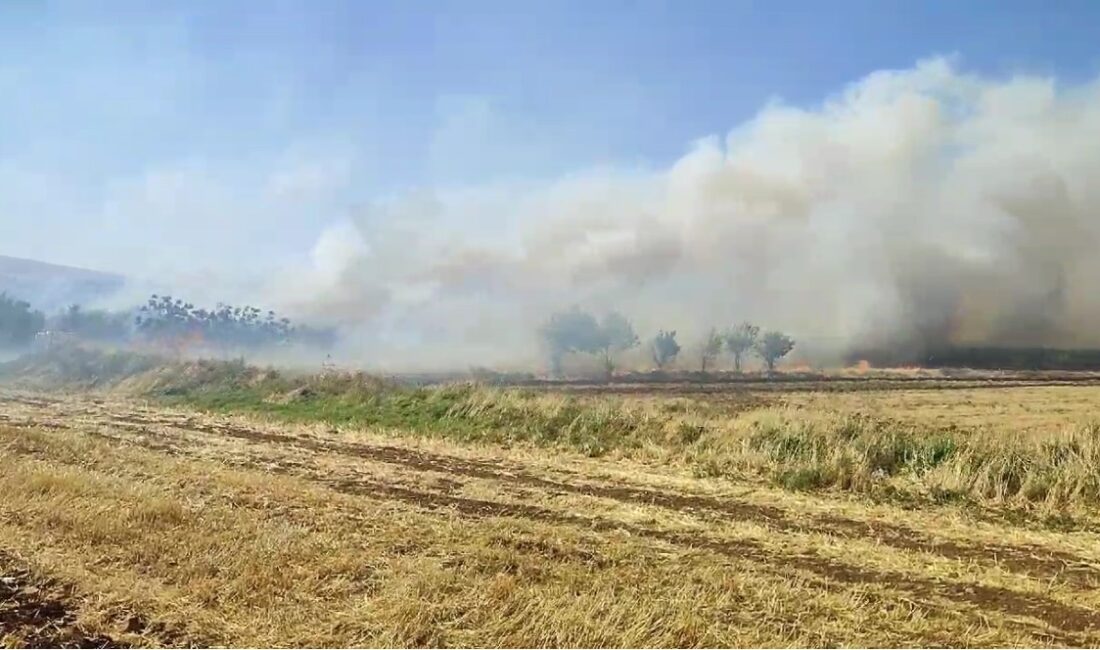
{"type": "Point", "coordinates": [51, 286]}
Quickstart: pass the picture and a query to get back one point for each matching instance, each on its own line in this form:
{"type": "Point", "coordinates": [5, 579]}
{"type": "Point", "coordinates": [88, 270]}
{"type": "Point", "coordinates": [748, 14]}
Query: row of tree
{"type": "Point", "coordinates": [740, 340]}
{"type": "Point", "coordinates": [576, 331]}
{"type": "Point", "coordinates": [171, 320]}
{"type": "Point", "coordinates": [163, 320]}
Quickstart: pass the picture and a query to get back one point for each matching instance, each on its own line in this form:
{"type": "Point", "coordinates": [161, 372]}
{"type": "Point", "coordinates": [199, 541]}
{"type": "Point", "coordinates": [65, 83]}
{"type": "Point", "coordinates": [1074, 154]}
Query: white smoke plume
{"type": "Point", "coordinates": [915, 207]}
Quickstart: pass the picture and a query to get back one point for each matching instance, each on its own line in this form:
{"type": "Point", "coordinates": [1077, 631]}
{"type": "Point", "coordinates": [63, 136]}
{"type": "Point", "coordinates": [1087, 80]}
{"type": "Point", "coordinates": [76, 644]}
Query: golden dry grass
{"type": "Point", "coordinates": [1040, 409]}
{"type": "Point", "coordinates": [171, 527]}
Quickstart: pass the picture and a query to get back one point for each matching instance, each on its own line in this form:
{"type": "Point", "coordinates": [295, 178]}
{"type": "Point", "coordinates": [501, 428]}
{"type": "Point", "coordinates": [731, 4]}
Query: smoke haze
{"type": "Point", "coordinates": [913, 208]}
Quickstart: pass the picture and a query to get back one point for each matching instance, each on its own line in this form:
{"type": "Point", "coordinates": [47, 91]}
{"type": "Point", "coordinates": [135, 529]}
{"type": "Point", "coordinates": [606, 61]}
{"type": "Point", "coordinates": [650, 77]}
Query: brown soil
{"type": "Point", "coordinates": [34, 612]}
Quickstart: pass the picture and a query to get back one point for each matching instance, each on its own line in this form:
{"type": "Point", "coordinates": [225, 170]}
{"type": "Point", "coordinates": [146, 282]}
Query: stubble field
{"type": "Point", "coordinates": [244, 509]}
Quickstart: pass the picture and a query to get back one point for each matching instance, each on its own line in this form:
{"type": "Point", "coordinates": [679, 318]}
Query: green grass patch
{"type": "Point", "coordinates": [462, 412]}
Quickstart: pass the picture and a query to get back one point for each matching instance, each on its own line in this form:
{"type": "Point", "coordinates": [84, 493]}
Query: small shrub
{"type": "Point", "coordinates": [808, 478]}
{"type": "Point", "coordinates": [689, 433]}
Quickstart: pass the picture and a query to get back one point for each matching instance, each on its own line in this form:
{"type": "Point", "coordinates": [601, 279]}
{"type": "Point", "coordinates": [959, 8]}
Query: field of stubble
{"type": "Point", "coordinates": [891, 516]}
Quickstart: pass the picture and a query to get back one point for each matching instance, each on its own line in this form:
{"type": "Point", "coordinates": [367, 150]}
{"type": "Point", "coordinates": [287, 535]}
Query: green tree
{"type": "Point", "coordinates": [712, 347]}
{"type": "Point", "coordinates": [95, 324]}
{"type": "Point", "coordinates": [18, 322]}
{"type": "Point", "coordinates": [665, 348]}
{"type": "Point", "coordinates": [616, 335]}
{"type": "Point", "coordinates": [773, 346]}
{"type": "Point", "coordinates": [740, 339]}
{"type": "Point", "coordinates": [568, 332]}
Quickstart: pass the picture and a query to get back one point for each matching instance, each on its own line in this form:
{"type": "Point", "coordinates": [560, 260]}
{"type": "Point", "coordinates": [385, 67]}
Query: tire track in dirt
{"type": "Point", "coordinates": [983, 597]}
{"type": "Point", "coordinates": [1068, 618]}
{"type": "Point", "coordinates": [475, 509]}
{"type": "Point", "coordinates": [1070, 621]}
{"type": "Point", "coordinates": [1039, 562]}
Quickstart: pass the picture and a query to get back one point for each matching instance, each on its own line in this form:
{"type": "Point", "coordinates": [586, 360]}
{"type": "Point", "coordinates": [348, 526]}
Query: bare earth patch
{"type": "Point", "coordinates": [34, 612]}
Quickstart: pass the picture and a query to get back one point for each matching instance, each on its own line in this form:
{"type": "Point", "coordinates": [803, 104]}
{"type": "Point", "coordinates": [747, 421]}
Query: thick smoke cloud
{"type": "Point", "coordinates": [914, 208]}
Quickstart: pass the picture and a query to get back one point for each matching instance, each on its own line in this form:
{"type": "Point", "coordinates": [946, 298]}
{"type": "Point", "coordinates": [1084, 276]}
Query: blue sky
{"type": "Point", "coordinates": [153, 136]}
